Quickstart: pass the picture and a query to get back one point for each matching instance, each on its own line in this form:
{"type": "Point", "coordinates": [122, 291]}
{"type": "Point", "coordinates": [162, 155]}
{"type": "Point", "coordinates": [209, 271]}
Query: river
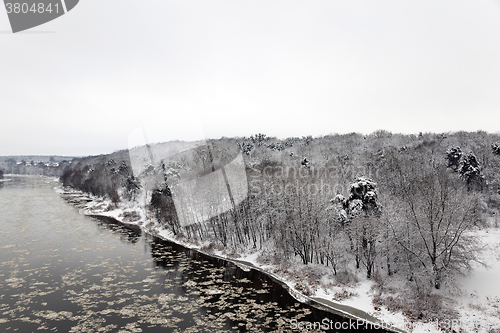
{"type": "Point", "coordinates": [65, 272]}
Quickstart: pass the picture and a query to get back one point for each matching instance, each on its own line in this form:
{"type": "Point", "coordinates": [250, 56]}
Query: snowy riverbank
{"type": "Point", "coordinates": [478, 302]}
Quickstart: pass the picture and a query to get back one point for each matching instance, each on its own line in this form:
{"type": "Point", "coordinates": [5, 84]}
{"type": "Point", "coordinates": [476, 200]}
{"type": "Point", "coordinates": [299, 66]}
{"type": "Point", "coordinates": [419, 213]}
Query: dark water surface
{"type": "Point", "coordinates": [64, 272]}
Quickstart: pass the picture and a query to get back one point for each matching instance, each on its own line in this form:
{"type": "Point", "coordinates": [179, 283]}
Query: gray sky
{"type": "Point", "coordinates": [284, 68]}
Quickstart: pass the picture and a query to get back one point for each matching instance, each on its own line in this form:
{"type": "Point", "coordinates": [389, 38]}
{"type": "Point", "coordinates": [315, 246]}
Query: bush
{"type": "Point", "coordinates": [343, 295]}
{"type": "Point", "coordinates": [426, 307]}
{"type": "Point", "coordinates": [302, 288]}
{"type": "Point", "coordinates": [346, 278]}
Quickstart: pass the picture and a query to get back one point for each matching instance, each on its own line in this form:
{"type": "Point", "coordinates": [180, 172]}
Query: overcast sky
{"type": "Point", "coordinates": [81, 84]}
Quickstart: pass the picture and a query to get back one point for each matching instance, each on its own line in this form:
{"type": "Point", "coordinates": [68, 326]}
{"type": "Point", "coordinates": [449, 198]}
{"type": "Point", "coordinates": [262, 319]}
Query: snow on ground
{"type": "Point", "coordinates": [361, 299]}
{"type": "Point", "coordinates": [250, 257]}
{"type": "Point", "coordinates": [478, 304]}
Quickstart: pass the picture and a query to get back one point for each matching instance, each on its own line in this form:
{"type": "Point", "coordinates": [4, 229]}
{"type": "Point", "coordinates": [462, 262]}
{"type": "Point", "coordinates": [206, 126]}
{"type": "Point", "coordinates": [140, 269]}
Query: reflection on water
{"type": "Point", "coordinates": [64, 272]}
{"type": "Point", "coordinates": [127, 233]}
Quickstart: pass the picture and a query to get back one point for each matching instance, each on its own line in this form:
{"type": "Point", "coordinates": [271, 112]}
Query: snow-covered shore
{"type": "Point", "coordinates": [478, 306]}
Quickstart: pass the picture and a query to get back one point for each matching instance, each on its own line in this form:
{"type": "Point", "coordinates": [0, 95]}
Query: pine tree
{"type": "Point", "coordinates": [496, 148]}
{"type": "Point", "coordinates": [453, 155]}
{"type": "Point", "coordinates": [471, 172]}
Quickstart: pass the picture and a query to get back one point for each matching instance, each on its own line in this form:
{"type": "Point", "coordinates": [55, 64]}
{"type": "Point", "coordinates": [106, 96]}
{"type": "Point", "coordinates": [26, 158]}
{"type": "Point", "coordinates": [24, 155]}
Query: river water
{"type": "Point", "coordinates": [64, 272]}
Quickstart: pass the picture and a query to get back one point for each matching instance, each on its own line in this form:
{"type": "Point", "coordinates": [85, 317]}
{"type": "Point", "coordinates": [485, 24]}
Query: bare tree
{"type": "Point", "coordinates": [436, 213]}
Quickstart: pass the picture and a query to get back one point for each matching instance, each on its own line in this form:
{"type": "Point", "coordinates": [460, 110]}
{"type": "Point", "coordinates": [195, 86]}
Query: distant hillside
{"type": "Point", "coordinates": [34, 164]}
{"type": "Point", "coordinates": [40, 158]}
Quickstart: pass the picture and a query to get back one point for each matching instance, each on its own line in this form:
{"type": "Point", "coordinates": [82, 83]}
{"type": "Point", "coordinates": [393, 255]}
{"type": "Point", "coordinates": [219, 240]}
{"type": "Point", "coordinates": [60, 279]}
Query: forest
{"type": "Point", "coordinates": [392, 207]}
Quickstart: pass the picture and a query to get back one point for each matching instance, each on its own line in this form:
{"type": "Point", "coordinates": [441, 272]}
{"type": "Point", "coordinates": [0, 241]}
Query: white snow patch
{"type": "Point", "coordinates": [363, 300]}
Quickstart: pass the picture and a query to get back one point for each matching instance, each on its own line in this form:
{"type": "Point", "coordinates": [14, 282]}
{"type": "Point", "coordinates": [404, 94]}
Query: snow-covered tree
{"type": "Point", "coordinates": [432, 216]}
{"type": "Point", "coordinates": [453, 156]}
{"type": "Point", "coordinates": [364, 192]}
{"type": "Point", "coordinates": [496, 148]}
{"type": "Point", "coordinates": [471, 172]}
{"type": "Point", "coordinates": [259, 138]}
{"type": "Point", "coordinates": [246, 147]}
{"type": "Point", "coordinates": [360, 214]}
{"type": "Point", "coordinates": [305, 162]}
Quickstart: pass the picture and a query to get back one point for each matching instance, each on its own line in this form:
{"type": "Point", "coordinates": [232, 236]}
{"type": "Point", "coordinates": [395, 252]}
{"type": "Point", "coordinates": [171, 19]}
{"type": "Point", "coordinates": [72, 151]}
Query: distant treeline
{"type": "Point", "coordinates": [34, 165]}
{"type": "Point", "coordinates": [103, 175]}
{"type": "Point", "coordinates": [390, 205]}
